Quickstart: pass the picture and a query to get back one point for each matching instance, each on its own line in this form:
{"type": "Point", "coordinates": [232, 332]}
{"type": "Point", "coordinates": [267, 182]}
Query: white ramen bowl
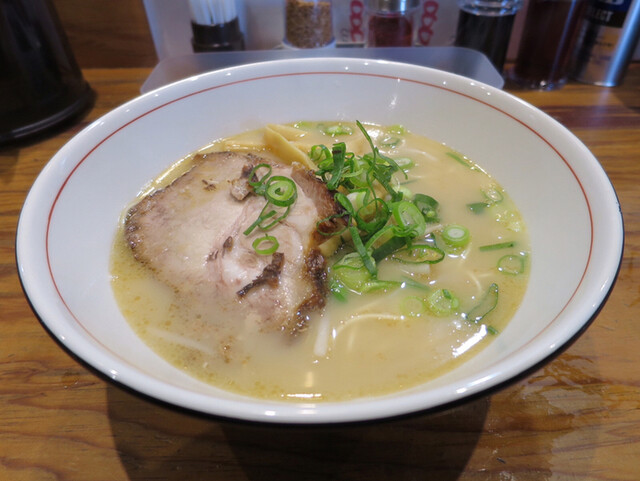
{"type": "Point", "coordinates": [71, 215]}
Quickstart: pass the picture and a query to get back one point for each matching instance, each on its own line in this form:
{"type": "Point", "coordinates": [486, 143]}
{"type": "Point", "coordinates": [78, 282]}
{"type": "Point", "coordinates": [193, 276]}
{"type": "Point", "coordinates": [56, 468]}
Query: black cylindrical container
{"type": "Point", "coordinates": [40, 82]}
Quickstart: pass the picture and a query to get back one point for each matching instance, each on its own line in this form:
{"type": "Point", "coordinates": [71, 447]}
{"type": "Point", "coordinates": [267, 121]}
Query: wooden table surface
{"type": "Point", "coordinates": [577, 418]}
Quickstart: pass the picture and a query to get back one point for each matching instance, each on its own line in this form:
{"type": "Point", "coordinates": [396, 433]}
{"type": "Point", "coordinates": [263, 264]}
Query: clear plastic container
{"type": "Point", "coordinates": [308, 23]}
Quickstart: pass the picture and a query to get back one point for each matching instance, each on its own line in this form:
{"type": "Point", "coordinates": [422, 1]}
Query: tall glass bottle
{"type": "Point", "coordinates": [389, 23]}
{"type": "Point", "coordinates": [548, 40]}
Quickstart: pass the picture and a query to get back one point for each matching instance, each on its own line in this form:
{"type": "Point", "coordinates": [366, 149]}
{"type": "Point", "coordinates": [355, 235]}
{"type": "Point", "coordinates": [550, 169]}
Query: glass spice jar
{"type": "Point", "coordinates": [389, 23]}
{"type": "Point", "coordinates": [308, 23]}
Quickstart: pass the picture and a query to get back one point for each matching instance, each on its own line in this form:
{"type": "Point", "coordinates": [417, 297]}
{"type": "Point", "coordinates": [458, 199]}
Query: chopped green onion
{"type": "Point", "coordinates": [487, 304]}
{"type": "Point", "coordinates": [388, 248]}
{"type": "Point", "coordinates": [499, 245]}
{"type": "Point", "coordinates": [338, 129]}
{"type": "Point", "coordinates": [371, 224]}
{"type": "Point", "coordinates": [407, 215]}
{"type": "Point", "coordinates": [390, 141]}
{"type": "Point", "coordinates": [405, 163]}
{"type": "Point", "coordinates": [461, 160]}
{"type": "Point", "coordinates": [367, 260]}
{"type": "Point", "coordinates": [270, 248]}
{"type": "Point", "coordinates": [259, 185]}
{"type": "Point", "coordinates": [338, 290]}
{"type": "Point", "coordinates": [358, 198]}
{"type": "Point", "coordinates": [455, 235]}
{"type": "Point", "coordinates": [428, 206]}
{"type": "Point", "coordinates": [276, 220]}
{"type": "Point", "coordinates": [281, 191]}
{"type": "Point", "coordinates": [493, 195]}
{"type": "Point", "coordinates": [408, 282]}
{"type": "Point", "coordinates": [380, 237]}
{"type": "Point", "coordinates": [320, 153]}
{"type": "Point", "coordinates": [350, 272]}
{"type": "Point", "coordinates": [419, 254]}
{"type": "Point", "coordinates": [305, 125]}
{"type": "Point", "coordinates": [376, 153]}
{"type": "Point", "coordinates": [478, 207]}
{"type": "Point", "coordinates": [397, 129]}
{"type": "Point", "coordinates": [337, 152]}
{"type": "Point", "coordinates": [442, 302]}
{"type": "Point", "coordinates": [413, 306]}
{"type": "Point", "coordinates": [377, 285]}
{"type": "Point", "coordinates": [344, 201]}
{"type": "Point", "coordinates": [406, 192]}
{"type": "Point", "coordinates": [511, 264]}
{"type": "Point", "coordinates": [264, 215]}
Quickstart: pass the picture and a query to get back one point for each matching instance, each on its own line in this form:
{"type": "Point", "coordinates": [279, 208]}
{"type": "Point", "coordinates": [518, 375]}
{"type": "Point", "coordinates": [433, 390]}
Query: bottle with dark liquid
{"type": "Point", "coordinates": [390, 22]}
{"type": "Point", "coordinates": [548, 40]}
{"type": "Point", "coordinates": [486, 26]}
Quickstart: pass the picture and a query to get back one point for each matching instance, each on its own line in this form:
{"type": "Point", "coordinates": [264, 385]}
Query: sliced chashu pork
{"type": "Point", "coordinates": [190, 234]}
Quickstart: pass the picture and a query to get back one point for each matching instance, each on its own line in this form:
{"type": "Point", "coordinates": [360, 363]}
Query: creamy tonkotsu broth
{"type": "Point", "coordinates": [427, 321]}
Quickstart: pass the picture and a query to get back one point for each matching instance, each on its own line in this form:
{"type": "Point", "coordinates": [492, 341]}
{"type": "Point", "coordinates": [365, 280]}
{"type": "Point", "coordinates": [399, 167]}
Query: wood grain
{"type": "Point", "coordinates": [577, 418]}
{"type": "Point", "coordinates": [107, 34]}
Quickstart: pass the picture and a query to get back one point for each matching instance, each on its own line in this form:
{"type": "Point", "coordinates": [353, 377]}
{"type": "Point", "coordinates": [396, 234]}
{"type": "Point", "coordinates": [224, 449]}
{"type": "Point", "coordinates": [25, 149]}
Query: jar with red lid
{"type": "Point", "coordinates": [390, 23]}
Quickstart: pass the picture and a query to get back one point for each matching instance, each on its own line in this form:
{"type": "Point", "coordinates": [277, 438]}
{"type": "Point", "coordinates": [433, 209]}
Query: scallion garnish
{"type": "Point", "coordinates": [428, 206]}
{"type": "Point", "coordinates": [486, 305]}
{"type": "Point", "coordinates": [442, 302]}
{"type": "Point", "coordinates": [419, 254]}
{"type": "Point", "coordinates": [511, 264]}
{"type": "Point", "coordinates": [367, 260]}
{"type": "Point", "coordinates": [413, 306]}
{"type": "Point", "coordinates": [259, 184]}
{"type": "Point", "coordinates": [281, 191]}
{"type": "Point", "coordinates": [372, 216]}
{"type": "Point", "coordinates": [478, 207]}
{"type": "Point", "coordinates": [455, 235]}
{"type": "Point", "coordinates": [409, 217]}
{"type": "Point", "coordinates": [405, 163]}
{"type": "Point", "coordinates": [265, 245]}
{"type": "Point", "coordinates": [338, 155]}
{"type": "Point", "coordinates": [462, 160]}
{"type": "Point", "coordinates": [499, 245]}
{"type": "Point", "coordinates": [382, 216]}
{"type": "Point", "coordinates": [338, 129]}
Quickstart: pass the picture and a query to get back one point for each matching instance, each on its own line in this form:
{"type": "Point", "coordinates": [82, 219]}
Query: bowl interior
{"type": "Point", "coordinates": [71, 215]}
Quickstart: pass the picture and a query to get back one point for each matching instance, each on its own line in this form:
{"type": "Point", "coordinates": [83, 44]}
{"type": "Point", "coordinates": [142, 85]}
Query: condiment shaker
{"type": "Point", "coordinates": [389, 23]}
{"type": "Point", "coordinates": [308, 23]}
{"type": "Point", "coordinates": [215, 26]}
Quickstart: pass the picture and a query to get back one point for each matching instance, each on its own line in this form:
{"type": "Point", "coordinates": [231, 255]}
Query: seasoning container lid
{"type": "Point", "coordinates": [392, 5]}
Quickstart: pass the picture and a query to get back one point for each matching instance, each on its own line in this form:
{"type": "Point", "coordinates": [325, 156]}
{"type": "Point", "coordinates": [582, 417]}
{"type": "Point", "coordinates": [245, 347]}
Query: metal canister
{"type": "Point", "coordinates": [608, 39]}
